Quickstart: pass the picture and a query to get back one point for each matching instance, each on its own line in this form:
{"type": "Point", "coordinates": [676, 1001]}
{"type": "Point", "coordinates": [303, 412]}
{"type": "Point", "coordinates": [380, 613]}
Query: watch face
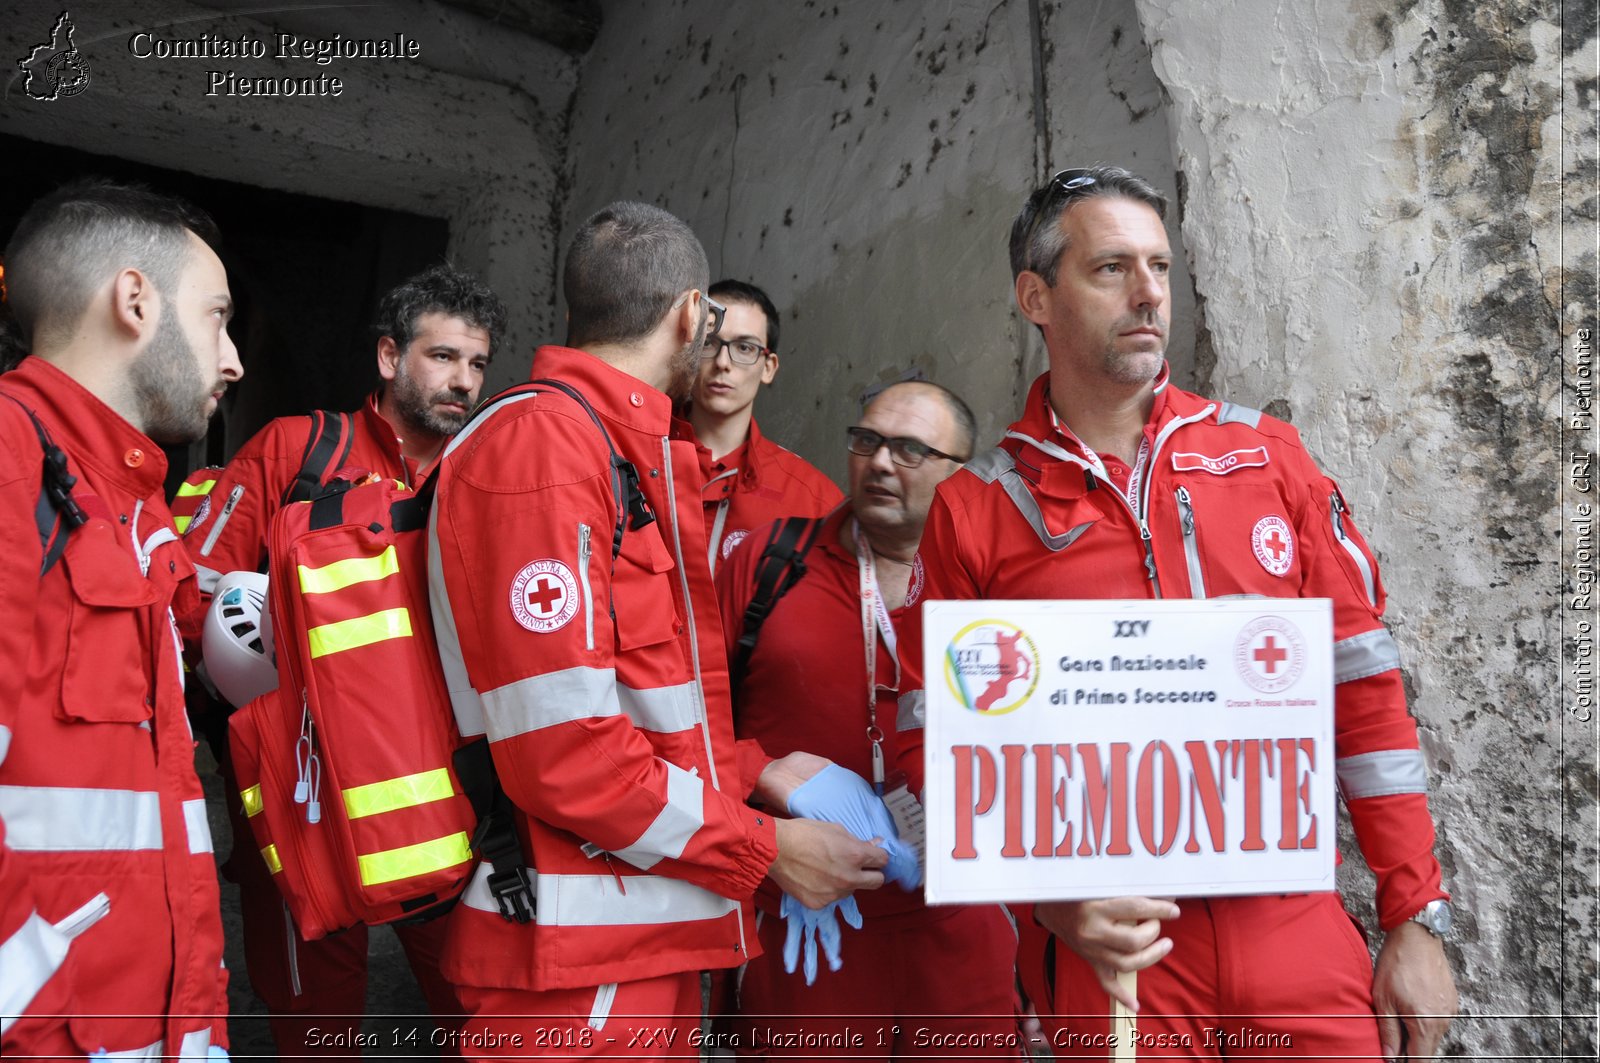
{"type": "Point", "coordinates": [1437, 917]}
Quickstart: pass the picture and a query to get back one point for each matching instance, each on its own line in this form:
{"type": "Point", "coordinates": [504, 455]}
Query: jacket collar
{"type": "Point", "coordinates": [92, 433]}
{"type": "Point", "coordinates": [383, 435]}
{"type": "Point", "coordinates": [615, 395]}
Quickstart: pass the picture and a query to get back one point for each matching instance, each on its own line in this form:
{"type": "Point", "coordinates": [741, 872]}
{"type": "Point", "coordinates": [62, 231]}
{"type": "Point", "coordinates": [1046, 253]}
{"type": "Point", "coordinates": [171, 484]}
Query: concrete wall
{"type": "Point", "coordinates": [1372, 209]}
{"type": "Point", "coordinates": [1385, 181]}
{"type": "Point", "coordinates": [863, 163]}
{"type": "Point", "coordinates": [472, 131]}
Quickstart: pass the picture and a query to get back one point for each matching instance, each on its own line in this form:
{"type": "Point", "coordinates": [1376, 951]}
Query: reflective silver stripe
{"type": "Point", "coordinates": [197, 825]}
{"type": "Point", "coordinates": [584, 551]}
{"type": "Point", "coordinates": [88, 914]}
{"type": "Point", "coordinates": [702, 716]}
{"type": "Point", "coordinates": [998, 465]}
{"type": "Point", "coordinates": [1191, 544]}
{"type": "Point", "coordinates": [598, 900]}
{"type": "Point", "coordinates": [152, 1051]}
{"type": "Point", "coordinates": [604, 997]}
{"type": "Point", "coordinates": [222, 520]}
{"type": "Point", "coordinates": [663, 709]}
{"type": "Point", "coordinates": [463, 698]}
{"type": "Point", "coordinates": [5, 742]}
{"type": "Point", "coordinates": [1369, 653]}
{"type": "Point", "coordinates": [1232, 414]}
{"type": "Point", "coordinates": [545, 700]}
{"type": "Point", "coordinates": [208, 578]}
{"type": "Point", "coordinates": [913, 712]}
{"type": "Point", "coordinates": [60, 819]}
{"type": "Point", "coordinates": [28, 959]}
{"type": "Point", "coordinates": [713, 548]}
{"type": "Point", "coordinates": [683, 814]}
{"type": "Point", "coordinates": [1388, 771]}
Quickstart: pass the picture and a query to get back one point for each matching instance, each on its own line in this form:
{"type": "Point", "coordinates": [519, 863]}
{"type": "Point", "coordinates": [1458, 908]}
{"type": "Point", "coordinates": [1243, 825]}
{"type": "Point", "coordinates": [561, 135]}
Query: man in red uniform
{"type": "Point", "coordinates": [436, 335]}
{"type": "Point", "coordinates": [750, 480]}
{"type": "Point", "coordinates": [596, 669]}
{"type": "Point", "coordinates": [1115, 484]}
{"type": "Point", "coordinates": [110, 936]}
{"type": "Point", "coordinates": [808, 687]}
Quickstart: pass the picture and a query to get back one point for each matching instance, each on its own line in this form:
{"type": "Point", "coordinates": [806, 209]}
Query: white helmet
{"type": "Point", "coordinates": [236, 642]}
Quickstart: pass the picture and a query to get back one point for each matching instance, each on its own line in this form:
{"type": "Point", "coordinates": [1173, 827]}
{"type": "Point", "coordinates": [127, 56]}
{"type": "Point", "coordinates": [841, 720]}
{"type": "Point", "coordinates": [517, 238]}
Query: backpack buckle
{"type": "Point", "coordinates": [513, 894]}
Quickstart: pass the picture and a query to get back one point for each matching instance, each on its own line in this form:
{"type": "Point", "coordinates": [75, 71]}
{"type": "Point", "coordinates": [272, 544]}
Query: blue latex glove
{"type": "Point", "coordinates": [217, 1052]}
{"type": "Point", "coordinates": [839, 795]}
{"type": "Point", "coordinates": [810, 924]}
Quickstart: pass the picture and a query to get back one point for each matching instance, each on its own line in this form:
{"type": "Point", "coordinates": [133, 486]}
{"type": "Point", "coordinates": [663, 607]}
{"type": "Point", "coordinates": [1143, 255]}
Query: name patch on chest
{"type": "Point", "coordinates": [1222, 464]}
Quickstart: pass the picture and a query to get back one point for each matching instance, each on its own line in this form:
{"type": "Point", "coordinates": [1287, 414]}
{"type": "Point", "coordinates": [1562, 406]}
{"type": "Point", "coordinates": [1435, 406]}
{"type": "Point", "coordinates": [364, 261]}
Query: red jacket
{"type": "Point", "coordinates": [602, 687]}
{"type": "Point", "coordinates": [788, 703]}
{"type": "Point", "coordinates": [1233, 505]}
{"type": "Point", "coordinates": [755, 485]}
{"type": "Point", "coordinates": [108, 893]}
{"type": "Point", "coordinates": [225, 514]}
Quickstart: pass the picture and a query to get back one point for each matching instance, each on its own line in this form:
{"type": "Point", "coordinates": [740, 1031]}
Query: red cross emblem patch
{"type": "Point", "coordinates": [1273, 544]}
{"type": "Point", "coordinates": [544, 596]}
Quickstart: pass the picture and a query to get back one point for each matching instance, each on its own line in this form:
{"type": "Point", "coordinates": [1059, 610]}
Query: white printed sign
{"type": "Point", "coordinates": [1079, 749]}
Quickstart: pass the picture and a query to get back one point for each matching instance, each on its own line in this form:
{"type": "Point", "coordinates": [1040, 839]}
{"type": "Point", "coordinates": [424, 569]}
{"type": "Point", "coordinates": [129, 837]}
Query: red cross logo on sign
{"type": "Point", "coordinates": [544, 596]}
{"type": "Point", "coordinates": [1273, 544]}
{"type": "Point", "coordinates": [1270, 654]}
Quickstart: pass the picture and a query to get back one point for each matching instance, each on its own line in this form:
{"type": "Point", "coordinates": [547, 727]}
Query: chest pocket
{"type": "Point", "coordinates": [1237, 537]}
{"type": "Point", "coordinates": [641, 588]}
{"type": "Point", "coordinates": [108, 664]}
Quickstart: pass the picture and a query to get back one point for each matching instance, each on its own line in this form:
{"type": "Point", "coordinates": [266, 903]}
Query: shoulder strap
{"type": "Point", "coordinates": [56, 514]}
{"type": "Point", "coordinates": [782, 566]}
{"type": "Point", "coordinates": [632, 509]}
{"type": "Point", "coordinates": [327, 447]}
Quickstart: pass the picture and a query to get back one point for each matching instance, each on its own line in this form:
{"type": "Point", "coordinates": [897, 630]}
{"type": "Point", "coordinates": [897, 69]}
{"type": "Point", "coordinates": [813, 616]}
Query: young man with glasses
{"type": "Point", "coordinates": [578, 629]}
{"type": "Point", "coordinates": [750, 480]}
{"type": "Point", "coordinates": [1115, 484]}
{"type": "Point", "coordinates": [809, 687]}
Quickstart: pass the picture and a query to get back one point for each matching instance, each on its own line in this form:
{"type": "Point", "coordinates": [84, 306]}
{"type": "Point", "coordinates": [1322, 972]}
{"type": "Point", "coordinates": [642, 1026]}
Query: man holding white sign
{"type": "Point", "coordinates": [1115, 485]}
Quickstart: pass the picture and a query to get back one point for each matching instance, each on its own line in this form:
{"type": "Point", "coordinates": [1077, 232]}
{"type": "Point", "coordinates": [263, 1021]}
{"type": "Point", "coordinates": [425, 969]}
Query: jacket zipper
{"type": "Point", "coordinates": [1149, 477]}
{"type": "Point", "coordinates": [584, 552]}
{"type": "Point", "coordinates": [222, 518]}
{"type": "Point", "coordinates": [291, 938]}
{"type": "Point", "coordinates": [96, 909]}
{"type": "Point", "coordinates": [603, 998]}
{"type": "Point", "coordinates": [1191, 545]}
{"type": "Point", "coordinates": [1338, 507]}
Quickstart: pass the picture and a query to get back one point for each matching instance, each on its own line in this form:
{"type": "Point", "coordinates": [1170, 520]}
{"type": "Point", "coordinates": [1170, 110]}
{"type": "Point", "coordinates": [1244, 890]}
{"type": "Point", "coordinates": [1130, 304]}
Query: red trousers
{"type": "Point", "coordinates": [654, 1018]}
{"type": "Point", "coordinates": [934, 983]}
{"type": "Point", "coordinates": [1247, 977]}
{"type": "Point", "coordinates": [316, 991]}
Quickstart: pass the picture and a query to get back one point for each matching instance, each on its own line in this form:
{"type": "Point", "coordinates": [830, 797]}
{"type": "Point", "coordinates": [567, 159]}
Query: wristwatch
{"type": "Point", "coordinates": [1436, 916]}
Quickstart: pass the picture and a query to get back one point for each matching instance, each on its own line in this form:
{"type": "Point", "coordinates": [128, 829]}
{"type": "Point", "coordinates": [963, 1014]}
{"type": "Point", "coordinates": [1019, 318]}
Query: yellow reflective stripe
{"type": "Point", "coordinates": [190, 490]}
{"type": "Point", "coordinates": [341, 574]}
{"type": "Point", "coordinates": [252, 800]}
{"type": "Point", "coordinates": [270, 855]}
{"type": "Point", "coordinates": [409, 861]}
{"type": "Point", "coordinates": [404, 792]}
{"type": "Point", "coordinates": [181, 523]}
{"type": "Point", "coordinates": [359, 631]}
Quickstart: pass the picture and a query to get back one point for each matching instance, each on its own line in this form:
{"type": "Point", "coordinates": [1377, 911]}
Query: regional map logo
{"type": "Point", "coordinates": [56, 68]}
{"type": "Point", "coordinates": [992, 667]}
{"type": "Point", "coordinates": [1270, 654]}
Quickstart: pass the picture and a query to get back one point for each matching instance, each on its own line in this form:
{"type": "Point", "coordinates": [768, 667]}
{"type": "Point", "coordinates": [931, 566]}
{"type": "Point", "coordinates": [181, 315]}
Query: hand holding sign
{"type": "Point", "coordinates": [1113, 935]}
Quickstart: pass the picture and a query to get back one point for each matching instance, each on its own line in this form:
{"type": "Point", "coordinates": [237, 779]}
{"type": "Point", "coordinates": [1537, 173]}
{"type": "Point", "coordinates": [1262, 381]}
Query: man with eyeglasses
{"type": "Point", "coordinates": [1115, 484]}
{"type": "Point", "coordinates": [809, 687]}
{"type": "Point", "coordinates": [595, 667]}
{"type": "Point", "coordinates": [750, 480]}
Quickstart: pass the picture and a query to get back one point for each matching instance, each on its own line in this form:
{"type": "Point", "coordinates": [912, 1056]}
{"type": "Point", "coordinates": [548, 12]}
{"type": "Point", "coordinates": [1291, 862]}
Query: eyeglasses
{"type": "Point", "coordinates": [714, 308]}
{"type": "Point", "coordinates": [865, 443]}
{"type": "Point", "coordinates": [743, 351]}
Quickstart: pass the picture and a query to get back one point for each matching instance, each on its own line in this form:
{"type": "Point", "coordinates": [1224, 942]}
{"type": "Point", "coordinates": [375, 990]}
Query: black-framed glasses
{"type": "Point", "coordinates": [745, 351]}
{"type": "Point", "coordinates": [908, 452]}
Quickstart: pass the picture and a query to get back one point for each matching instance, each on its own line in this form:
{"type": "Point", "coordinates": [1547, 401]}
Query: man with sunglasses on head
{"type": "Point", "coordinates": [578, 630]}
{"type": "Point", "coordinates": [1116, 484]}
{"type": "Point", "coordinates": [808, 686]}
{"type": "Point", "coordinates": [750, 480]}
